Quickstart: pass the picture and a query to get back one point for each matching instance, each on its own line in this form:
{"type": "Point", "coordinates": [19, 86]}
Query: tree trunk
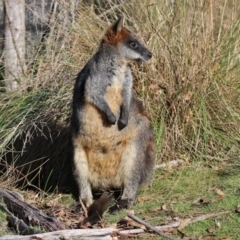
{"type": "Point", "coordinates": [14, 44]}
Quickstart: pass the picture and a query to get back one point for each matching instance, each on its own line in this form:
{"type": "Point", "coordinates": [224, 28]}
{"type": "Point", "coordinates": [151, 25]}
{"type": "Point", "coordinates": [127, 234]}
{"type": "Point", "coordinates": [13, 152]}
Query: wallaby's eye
{"type": "Point", "coordinates": [133, 44]}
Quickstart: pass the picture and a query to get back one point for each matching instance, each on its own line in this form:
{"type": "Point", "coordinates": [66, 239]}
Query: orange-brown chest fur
{"type": "Point", "coordinates": [114, 96]}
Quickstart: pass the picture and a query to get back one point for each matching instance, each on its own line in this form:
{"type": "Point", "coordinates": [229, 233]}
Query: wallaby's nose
{"type": "Point", "coordinates": [149, 55]}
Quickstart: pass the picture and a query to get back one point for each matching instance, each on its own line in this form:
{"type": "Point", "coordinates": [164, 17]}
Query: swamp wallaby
{"type": "Point", "coordinates": [113, 140]}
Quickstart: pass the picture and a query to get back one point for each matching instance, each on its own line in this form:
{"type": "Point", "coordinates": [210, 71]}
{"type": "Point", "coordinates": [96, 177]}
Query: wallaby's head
{"type": "Point", "coordinates": [126, 43]}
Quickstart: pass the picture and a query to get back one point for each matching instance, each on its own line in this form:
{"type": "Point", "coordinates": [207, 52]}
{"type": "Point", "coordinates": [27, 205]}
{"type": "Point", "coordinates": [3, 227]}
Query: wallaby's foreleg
{"type": "Point", "coordinates": [81, 174]}
{"type": "Point", "coordinates": [101, 103]}
{"type": "Point", "coordinates": [130, 192]}
{"type": "Point", "coordinates": [126, 95]}
{"type": "Point", "coordinates": [123, 120]}
{"type": "Point", "coordinates": [128, 197]}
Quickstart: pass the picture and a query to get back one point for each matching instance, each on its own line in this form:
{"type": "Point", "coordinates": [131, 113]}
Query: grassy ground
{"type": "Point", "coordinates": [3, 224]}
{"type": "Point", "coordinates": [190, 89]}
{"type": "Point", "coordinates": [190, 191]}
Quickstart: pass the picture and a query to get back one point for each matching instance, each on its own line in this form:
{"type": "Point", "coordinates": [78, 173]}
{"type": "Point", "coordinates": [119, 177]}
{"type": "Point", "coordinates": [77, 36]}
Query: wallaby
{"type": "Point", "coordinates": [113, 140]}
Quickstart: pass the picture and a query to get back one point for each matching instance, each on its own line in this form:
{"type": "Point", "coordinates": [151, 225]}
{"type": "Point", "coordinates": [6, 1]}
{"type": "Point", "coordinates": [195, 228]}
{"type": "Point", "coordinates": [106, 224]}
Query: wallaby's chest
{"type": "Point", "coordinates": [104, 146]}
{"type": "Point", "coordinates": [114, 95]}
{"type": "Point", "coordinates": [114, 91]}
{"type": "Point", "coordinates": [104, 143]}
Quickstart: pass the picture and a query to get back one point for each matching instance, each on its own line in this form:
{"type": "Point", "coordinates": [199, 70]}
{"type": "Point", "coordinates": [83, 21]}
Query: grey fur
{"type": "Point", "coordinates": [104, 68]}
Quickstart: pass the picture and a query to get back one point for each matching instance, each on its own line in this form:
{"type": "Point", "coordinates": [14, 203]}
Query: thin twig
{"type": "Point", "coordinates": [83, 207]}
{"type": "Point", "coordinates": [173, 163]}
{"type": "Point", "coordinates": [149, 226]}
{"type": "Point", "coordinates": [8, 166]}
{"type": "Point", "coordinates": [207, 216]}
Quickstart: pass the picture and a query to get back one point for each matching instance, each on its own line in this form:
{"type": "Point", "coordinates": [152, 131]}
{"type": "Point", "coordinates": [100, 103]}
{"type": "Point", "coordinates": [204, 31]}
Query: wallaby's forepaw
{"type": "Point", "coordinates": [111, 119]}
{"type": "Point", "coordinates": [121, 204]}
{"type": "Point", "coordinates": [122, 123]}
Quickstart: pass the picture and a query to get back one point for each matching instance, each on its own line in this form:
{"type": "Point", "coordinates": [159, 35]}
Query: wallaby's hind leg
{"type": "Point", "coordinates": [138, 160]}
{"type": "Point", "coordinates": [81, 174]}
{"type": "Point", "coordinates": [131, 177]}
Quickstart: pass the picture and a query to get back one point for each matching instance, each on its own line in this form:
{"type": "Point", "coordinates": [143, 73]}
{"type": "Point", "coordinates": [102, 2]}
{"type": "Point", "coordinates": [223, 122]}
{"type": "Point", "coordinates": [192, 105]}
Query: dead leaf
{"type": "Point", "coordinates": [128, 222]}
{"type": "Point", "coordinates": [52, 203]}
{"type": "Point", "coordinates": [184, 223]}
{"type": "Point", "coordinates": [130, 211]}
{"type": "Point", "coordinates": [189, 116]}
{"type": "Point", "coordinates": [187, 96]}
{"type": "Point", "coordinates": [218, 224]}
{"type": "Point", "coordinates": [164, 207]}
{"type": "Point", "coordinates": [219, 192]}
{"type": "Point", "coordinates": [102, 224]}
{"type": "Point", "coordinates": [84, 226]}
{"type": "Point", "coordinates": [217, 199]}
{"type": "Point", "coordinates": [211, 230]}
{"type": "Point", "coordinates": [36, 196]}
{"type": "Point", "coordinates": [135, 224]}
{"type": "Point", "coordinates": [143, 199]}
{"type": "Point", "coordinates": [153, 87]}
{"type": "Point", "coordinates": [60, 213]}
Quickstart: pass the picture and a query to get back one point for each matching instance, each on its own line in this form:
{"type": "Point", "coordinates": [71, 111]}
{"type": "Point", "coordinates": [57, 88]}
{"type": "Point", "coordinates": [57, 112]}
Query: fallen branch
{"type": "Point", "coordinates": [28, 213]}
{"type": "Point", "coordinates": [150, 227]}
{"type": "Point", "coordinates": [106, 233]}
{"type": "Point", "coordinates": [19, 224]}
{"type": "Point", "coordinates": [160, 228]}
{"type": "Point", "coordinates": [83, 234]}
{"type": "Point", "coordinates": [203, 217]}
{"type": "Point", "coordinates": [181, 223]}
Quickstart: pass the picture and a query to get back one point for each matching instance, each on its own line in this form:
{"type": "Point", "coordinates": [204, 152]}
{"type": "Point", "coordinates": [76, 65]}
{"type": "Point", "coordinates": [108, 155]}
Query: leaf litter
{"type": "Point", "coordinates": [73, 214]}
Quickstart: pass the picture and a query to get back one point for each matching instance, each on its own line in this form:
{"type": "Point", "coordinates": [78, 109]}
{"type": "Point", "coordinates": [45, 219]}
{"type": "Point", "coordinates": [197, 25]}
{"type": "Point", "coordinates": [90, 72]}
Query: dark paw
{"type": "Point", "coordinates": [122, 123]}
{"type": "Point", "coordinates": [112, 119]}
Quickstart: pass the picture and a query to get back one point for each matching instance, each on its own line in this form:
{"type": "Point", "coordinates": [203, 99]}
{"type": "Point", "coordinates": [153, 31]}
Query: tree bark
{"type": "Point", "coordinates": [14, 44]}
{"type": "Point", "coordinates": [29, 214]}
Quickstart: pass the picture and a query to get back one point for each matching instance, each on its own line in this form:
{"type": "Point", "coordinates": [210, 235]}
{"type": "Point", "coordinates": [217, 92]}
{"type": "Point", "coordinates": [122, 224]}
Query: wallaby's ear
{"type": "Point", "coordinates": [116, 33]}
{"type": "Point", "coordinates": [117, 26]}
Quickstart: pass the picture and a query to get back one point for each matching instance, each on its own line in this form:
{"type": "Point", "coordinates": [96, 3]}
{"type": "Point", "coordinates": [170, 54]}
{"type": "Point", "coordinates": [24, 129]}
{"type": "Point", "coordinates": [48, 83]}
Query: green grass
{"type": "Point", "coordinates": [182, 190]}
{"type": "Point", "coordinates": [4, 227]}
{"type": "Point", "coordinates": [3, 224]}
